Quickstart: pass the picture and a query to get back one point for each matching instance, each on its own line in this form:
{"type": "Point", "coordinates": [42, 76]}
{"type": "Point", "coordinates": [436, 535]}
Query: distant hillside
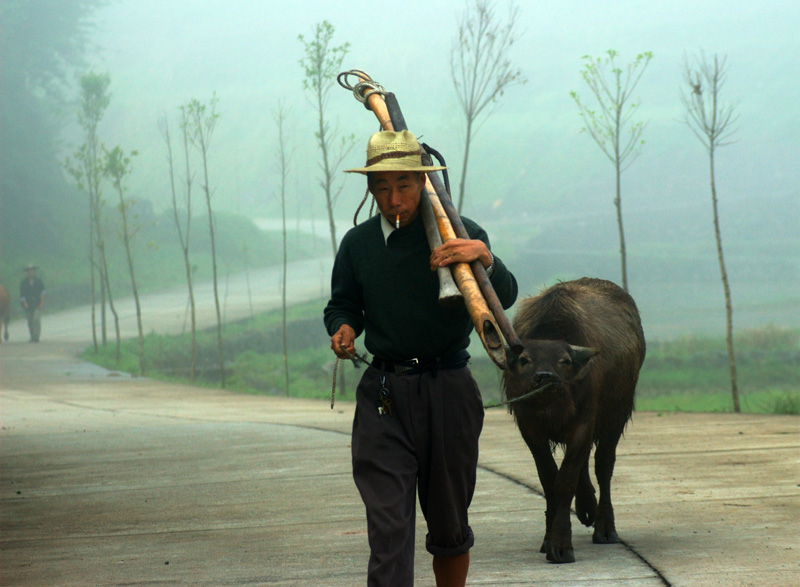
{"type": "Point", "coordinates": [672, 260]}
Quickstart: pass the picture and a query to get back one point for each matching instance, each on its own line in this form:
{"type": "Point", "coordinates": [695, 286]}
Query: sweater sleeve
{"type": "Point", "coordinates": [345, 305]}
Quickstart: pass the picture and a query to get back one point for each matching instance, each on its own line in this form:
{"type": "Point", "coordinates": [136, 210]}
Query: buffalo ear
{"type": "Point", "coordinates": [581, 357]}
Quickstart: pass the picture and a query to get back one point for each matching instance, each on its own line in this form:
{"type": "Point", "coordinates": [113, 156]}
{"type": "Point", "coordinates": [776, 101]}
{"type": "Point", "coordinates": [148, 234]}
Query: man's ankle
{"type": "Point", "coordinates": [451, 571]}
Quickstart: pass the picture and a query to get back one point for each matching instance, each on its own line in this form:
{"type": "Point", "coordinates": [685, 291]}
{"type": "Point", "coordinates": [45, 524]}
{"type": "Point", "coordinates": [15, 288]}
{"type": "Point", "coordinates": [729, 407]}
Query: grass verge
{"type": "Point", "coordinates": [690, 374]}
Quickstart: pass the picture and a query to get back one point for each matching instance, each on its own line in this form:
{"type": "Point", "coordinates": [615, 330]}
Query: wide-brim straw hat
{"type": "Point", "coordinates": [394, 151]}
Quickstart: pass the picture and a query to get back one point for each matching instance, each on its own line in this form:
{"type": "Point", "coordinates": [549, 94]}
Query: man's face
{"type": "Point", "coordinates": [31, 274]}
{"type": "Point", "coordinates": [397, 193]}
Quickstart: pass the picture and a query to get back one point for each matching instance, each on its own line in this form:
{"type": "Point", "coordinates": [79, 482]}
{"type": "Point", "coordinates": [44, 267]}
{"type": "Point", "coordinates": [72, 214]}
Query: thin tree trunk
{"type": "Point", "coordinates": [188, 268]}
{"type": "Point", "coordinates": [113, 312]}
{"type": "Point", "coordinates": [92, 275]}
{"type": "Point", "coordinates": [103, 280]}
{"type": "Point", "coordinates": [129, 258]}
{"type": "Point", "coordinates": [726, 288]}
{"type": "Point", "coordinates": [618, 199]}
{"type": "Point", "coordinates": [105, 286]}
{"type": "Point", "coordinates": [464, 165]}
{"type": "Point", "coordinates": [216, 293]}
{"type": "Point", "coordinates": [185, 247]}
{"type": "Point", "coordinates": [622, 248]}
{"type": "Point", "coordinates": [283, 296]}
{"type": "Point", "coordinates": [214, 273]}
{"type": "Point", "coordinates": [247, 279]}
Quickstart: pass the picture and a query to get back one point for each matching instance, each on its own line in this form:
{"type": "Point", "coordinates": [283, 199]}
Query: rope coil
{"type": "Point", "coordinates": [362, 89]}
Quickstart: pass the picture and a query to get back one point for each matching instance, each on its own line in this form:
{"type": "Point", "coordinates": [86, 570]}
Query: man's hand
{"type": "Point", "coordinates": [459, 250]}
{"type": "Point", "coordinates": [343, 342]}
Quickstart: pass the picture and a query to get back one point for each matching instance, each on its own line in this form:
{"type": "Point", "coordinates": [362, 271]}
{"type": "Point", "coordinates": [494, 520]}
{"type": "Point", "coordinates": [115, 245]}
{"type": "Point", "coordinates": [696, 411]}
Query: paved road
{"type": "Point", "coordinates": [166, 312]}
{"type": "Point", "coordinates": [112, 480]}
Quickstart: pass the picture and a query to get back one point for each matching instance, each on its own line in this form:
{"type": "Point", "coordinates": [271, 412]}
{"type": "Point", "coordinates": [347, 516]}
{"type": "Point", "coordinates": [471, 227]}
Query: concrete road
{"type": "Point", "coordinates": [111, 480]}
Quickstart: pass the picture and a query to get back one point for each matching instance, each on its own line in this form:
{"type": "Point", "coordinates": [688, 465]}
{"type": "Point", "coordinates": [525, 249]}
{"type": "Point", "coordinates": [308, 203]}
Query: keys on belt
{"type": "Point", "coordinates": [385, 409]}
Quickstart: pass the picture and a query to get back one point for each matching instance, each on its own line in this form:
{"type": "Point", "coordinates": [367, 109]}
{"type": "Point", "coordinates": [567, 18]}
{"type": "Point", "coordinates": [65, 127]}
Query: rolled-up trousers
{"type": "Point", "coordinates": [429, 444]}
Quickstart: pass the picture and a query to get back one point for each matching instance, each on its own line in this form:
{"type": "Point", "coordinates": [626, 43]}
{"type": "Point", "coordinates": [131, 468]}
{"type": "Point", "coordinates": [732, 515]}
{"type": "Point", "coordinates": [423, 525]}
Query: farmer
{"type": "Point", "coordinates": [31, 296]}
{"type": "Point", "coordinates": [419, 412]}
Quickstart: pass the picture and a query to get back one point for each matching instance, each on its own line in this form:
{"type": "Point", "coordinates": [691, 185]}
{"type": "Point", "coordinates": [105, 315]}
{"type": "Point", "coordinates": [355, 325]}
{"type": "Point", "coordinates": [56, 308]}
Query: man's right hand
{"type": "Point", "coordinates": [343, 342]}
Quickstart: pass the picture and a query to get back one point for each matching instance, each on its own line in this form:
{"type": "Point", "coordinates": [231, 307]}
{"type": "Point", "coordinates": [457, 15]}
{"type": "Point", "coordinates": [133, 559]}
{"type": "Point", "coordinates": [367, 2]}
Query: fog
{"type": "Point", "coordinates": [531, 168]}
{"type": "Point", "coordinates": [162, 53]}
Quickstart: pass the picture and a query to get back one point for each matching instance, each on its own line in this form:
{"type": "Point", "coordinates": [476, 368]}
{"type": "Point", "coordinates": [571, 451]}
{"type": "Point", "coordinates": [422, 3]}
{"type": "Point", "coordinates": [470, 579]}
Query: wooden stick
{"type": "Point", "coordinates": [478, 269]}
{"type": "Point", "coordinates": [482, 317]}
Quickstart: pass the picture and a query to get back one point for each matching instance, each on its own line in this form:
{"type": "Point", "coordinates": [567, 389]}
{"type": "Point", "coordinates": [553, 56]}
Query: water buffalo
{"type": "Point", "coordinates": [5, 310]}
{"type": "Point", "coordinates": [583, 346]}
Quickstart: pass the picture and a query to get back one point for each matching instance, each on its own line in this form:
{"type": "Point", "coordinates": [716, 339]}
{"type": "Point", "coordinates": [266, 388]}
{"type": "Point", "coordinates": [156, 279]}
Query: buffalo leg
{"type": "Point", "coordinates": [585, 501]}
{"type": "Point", "coordinates": [559, 548]}
{"type": "Point", "coordinates": [605, 531]}
{"type": "Point", "coordinates": [547, 470]}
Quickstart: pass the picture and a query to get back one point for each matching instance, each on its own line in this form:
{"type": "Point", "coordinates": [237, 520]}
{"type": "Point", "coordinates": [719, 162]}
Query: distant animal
{"type": "Point", "coordinates": [5, 310]}
{"type": "Point", "coordinates": [583, 346]}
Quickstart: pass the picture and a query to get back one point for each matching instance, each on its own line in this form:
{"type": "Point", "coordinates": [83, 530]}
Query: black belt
{"type": "Point", "coordinates": [455, 361]}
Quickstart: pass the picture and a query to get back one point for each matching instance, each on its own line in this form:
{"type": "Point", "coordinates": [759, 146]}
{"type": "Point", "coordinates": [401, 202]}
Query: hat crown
{"type": "Point", "coordinates": [393, 145]}
{"type": "Point", "coordinates": [393, 151]}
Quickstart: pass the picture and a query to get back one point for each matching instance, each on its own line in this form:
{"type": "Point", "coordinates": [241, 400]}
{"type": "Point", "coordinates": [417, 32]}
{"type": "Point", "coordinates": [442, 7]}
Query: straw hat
{"type": "Point", "coordinates": [30, 266]}
{"type": "Point", "coordinates": [393, 151]}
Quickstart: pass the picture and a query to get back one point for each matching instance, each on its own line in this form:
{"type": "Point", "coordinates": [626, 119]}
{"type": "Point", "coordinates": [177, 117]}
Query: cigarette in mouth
{"type": "Point", "coordinates": [397, 221]}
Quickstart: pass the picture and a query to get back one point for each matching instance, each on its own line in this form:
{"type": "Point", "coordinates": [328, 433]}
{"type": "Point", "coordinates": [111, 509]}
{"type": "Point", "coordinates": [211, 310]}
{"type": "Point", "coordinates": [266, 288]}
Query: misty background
{"type": "Point", "coordinates": [541, 187]}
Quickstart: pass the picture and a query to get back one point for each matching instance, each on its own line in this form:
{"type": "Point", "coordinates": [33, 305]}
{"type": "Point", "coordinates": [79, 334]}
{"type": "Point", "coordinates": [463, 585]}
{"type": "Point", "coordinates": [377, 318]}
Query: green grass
{"type": "Point", "coordinates": [755, 402]}
{"type": "Point", "coordinates": [689, 374]}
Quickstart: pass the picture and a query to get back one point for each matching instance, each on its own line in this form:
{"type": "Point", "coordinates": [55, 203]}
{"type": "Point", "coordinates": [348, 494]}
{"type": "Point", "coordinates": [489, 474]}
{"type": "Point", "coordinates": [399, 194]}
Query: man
{"type": "Point", "coordinates": [419, 412]}
{"type": "Point", "coordinates": [31, 294]}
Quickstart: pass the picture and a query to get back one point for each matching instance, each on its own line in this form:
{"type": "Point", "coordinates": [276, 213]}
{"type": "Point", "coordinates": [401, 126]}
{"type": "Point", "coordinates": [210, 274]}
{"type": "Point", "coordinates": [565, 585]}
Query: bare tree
{"type": "Point", "coordinates": [202, 120]}
{"type": "Point", "coordinates": [183, 225]}
{"type": "Point", "coordinates": [321, 63]}
{"type": "Point", "coordinates": [86, 168]}
{"type": "Point", "coordinates": [481, 68]}
{"type": "Point", "coordinates": [611, 126]}
{"type": "Point", "coordinates": [117, 168]}
{"type": "Point", "coordinates": [246, 259]}
{"type": "Point", "coordinates": [283, 157]}
{"type": "Point", "coordinates": [711, 121]}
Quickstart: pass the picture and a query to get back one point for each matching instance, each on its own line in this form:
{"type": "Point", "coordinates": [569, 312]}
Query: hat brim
{"type": "Point", "coordinates": [392, 166]}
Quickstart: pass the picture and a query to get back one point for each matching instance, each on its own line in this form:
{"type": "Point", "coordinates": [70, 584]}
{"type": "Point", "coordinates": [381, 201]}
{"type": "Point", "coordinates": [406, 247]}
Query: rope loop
{"type": "Point", "coordinates": [363, 88]}
{"type": "Point", "coordinates": [356, 358]}
{"type": "Point", "coordinates": [520, 398]}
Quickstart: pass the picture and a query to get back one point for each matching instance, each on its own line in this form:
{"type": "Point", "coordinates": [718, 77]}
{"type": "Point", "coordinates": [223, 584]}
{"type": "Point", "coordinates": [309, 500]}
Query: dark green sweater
{"type": "Point", "coordinates": [388, 291]}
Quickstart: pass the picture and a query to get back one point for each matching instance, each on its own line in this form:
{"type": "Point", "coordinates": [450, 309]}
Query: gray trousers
{"type": "Point", "coordinates": [34, 323]}
{"type": "Point", "coordinates": [428, 444]}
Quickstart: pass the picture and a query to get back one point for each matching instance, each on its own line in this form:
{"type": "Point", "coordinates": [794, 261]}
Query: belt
{"type": "Point", "coordinates": [456, 360]}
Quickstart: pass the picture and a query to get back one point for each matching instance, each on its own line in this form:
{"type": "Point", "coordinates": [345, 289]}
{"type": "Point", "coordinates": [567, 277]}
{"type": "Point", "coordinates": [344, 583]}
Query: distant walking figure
{"type": "Point", "coordinates": [31, 296]}
{"type": "Point", "coordinates": [5, 309]}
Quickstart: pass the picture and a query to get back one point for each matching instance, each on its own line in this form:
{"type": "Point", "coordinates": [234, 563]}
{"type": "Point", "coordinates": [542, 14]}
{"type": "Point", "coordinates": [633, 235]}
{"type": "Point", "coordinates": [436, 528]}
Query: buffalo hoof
{"type": "Point", "coordinates": [560, 556]}
{"type": "Point", "coordinates": [585, 508]}
{"type": "Point", "coordinates": [609, 537]}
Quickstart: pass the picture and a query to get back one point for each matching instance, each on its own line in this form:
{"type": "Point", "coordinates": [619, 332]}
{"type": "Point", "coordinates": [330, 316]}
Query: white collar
{"type": "Point", "coordinates": [387, 228]}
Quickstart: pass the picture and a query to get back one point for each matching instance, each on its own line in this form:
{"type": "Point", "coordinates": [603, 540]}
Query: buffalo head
{"type": "Point", "coordinates": [550, 361]}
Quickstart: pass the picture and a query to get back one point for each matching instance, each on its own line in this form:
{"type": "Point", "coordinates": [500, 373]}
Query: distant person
{"type": "Point", "coordinates": [31, 296]}
{"type": "Point", "coordinates": [5, 309]}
